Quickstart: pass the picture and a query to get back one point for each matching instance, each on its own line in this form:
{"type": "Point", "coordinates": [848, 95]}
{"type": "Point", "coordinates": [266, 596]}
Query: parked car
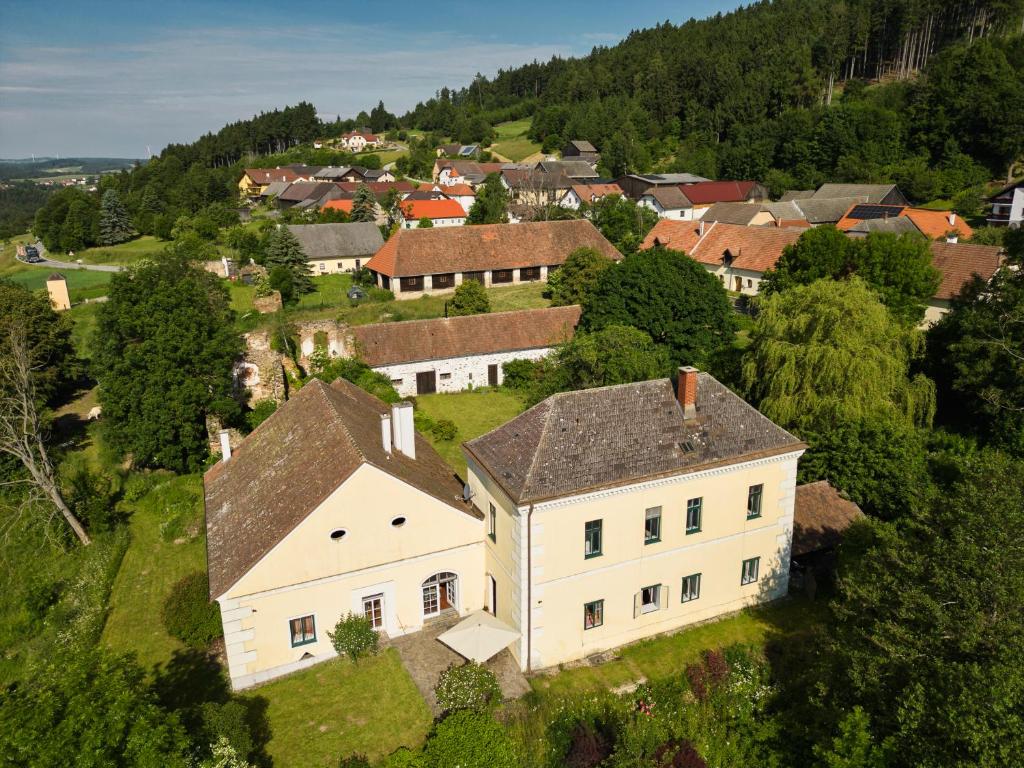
{"type": "Point", "coordinates": [32, 254]}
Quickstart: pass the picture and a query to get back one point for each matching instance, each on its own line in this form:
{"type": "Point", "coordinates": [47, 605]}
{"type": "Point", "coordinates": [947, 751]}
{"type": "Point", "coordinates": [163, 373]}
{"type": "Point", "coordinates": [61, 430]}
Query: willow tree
{"type": "Point", "coordinates": [831, 363]}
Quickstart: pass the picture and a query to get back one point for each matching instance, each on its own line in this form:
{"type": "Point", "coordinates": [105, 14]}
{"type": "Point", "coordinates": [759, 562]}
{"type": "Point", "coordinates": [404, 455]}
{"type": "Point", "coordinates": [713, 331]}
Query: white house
{"type": "Point", "coordinates": [1008, 206]}
{"type": "Point", "coordinates": [357, 141]}
{"type": "Point", "coordinates": [456, 353]}
{"type": "Point", "coordinates": [669, 203]}
{"type": "Point", "coordinates": [443, 212]}
{"type": "Point", "coordinates": [578, 194]}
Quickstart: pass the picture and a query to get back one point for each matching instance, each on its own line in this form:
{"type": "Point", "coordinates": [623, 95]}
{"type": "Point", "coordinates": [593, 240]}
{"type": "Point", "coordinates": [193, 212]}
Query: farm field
{"type": "Point", "coordinates": [511, 141]}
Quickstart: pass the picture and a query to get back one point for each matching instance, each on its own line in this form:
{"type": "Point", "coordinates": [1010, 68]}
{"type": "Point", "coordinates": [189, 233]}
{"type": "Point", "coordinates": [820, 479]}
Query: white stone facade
{"type": "Point", "coordinates": [455, 374]}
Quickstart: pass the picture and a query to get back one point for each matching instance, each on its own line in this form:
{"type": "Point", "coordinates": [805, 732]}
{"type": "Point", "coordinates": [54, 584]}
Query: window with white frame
{"type": "Point", "coordinates": [652, 525]}
{"type": "Point", "coordinates": [750, 570]}
{"type": "Point", "coordinates": [691, 588]}
{"type": "Point", "coordinates": [694, 512]}
{"type": "Point", "coordinates": [302, 630]}
{"type": "Point", "coordinates": [650, 598]}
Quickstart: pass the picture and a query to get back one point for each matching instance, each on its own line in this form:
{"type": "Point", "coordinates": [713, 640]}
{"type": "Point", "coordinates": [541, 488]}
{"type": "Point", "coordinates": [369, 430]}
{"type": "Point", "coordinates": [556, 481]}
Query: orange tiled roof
{"type": "Point", "coordinates": [339, 205]}
{"type": "Point", "coordinates": [756, 249]}
{"type": "Point", "coordinates": [588, 192]}
{"type": "Point", "coordinates": [433, 209]}
{"type": "Point", "coordinates": [959, 262]}
{"type": "Point", "coordinates": [677, 235]}
{"type": "Point", "coordinates": [932, 224]}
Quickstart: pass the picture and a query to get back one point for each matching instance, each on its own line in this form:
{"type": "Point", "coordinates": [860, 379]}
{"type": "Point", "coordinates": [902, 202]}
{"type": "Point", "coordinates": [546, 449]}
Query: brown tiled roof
{"type": "Point", "coordinates": [820, 516]}
{"type": "Point", "coordinates": [486, 246]}
{"type": "Point", "coordinates": [390, 343]}
{"type": "Point", "coordinates": [669, 198]}
{"type": "Point", "coordinates": [590, 192]}
{"type": "Point", "coordinates": [292, 462]}
{"type": "Point", "coordinates": [582, 441]}
{"type": "Point", "coordinates": [960, 262]}
{"type": "Point", "coordinates": [752, 248]}
{"type": "Point", "coordinates": [677, 235]}
{"type": "Point", "coordinates": [268, 175]}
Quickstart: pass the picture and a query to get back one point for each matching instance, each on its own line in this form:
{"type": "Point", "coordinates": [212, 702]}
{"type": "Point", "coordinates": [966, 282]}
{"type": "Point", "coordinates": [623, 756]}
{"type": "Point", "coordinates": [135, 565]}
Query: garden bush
{"type": "Point", "coordinates": [444, 429]}
{"type": "Point", "coordinates": [471, 740]}
{"type": "Point", "coordinates": [354, 636]}
{"type": "Point", "coordinates": [261, 411]}
{"type": "Point", "coordinates": [188, 613]}
{"type": "Point", "coordinates": [469, 686]}
{"type": "Point", "coordinates": [354, 761]}
{"type": "Point", "coordinates": [520, 374]}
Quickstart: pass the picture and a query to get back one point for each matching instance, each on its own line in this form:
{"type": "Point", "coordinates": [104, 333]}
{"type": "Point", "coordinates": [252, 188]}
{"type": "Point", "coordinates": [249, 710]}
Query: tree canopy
{"type": "Point", "coordinates": [284, 251]}
{"type": "Point", "coordinates": [898, 268]}
{"type": "Point", "coordinates": [491, 203]}
{"type": "Point", "coordinates": [669, 296]}
{"type": "Point", "coordinates": [574, 281]}
{"type": "Point", "coordinates": [164, 350]}
{"type": "Point", "coordinates": [115, 226]}
{"type": "Point", "coordinates": [364, 205]}
{"type": "Point", "coordinates": [470, 298]}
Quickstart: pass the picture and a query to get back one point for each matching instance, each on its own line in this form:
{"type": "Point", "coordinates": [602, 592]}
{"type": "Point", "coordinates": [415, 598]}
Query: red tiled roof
{"type": "Point", "coordinates": [677, 235]}
{"type": "Point", "coordinates": [339, 205]}
{"type": "Point", "coordinates": [756, 249]}
{"type": "Point", "coordinates": [932, 224]}
{"type": "Point", "coordinates": [959, 262]}
{"type": "Point", "coordinates": [433, 209]}
{"type": "Point", "coordinates": [709, 192]}
{"type": "Point", "coordinates": [377, 187]}
{"type": "Point", "coordinates": [589, 192]}
{"type": "Point", "coordinates": [441, 250]}
{"type": "Point", "coordinates": [457, 189]}
{"type": "Point", "coordinates": [268, 175]}
{"type": "Point", "coordinates": [390, 343]}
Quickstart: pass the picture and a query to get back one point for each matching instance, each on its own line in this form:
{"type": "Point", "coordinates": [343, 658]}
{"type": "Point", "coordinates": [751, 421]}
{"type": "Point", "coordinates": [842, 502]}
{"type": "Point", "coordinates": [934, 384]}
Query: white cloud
{"type": "Point", "coordinates": [116, 99]}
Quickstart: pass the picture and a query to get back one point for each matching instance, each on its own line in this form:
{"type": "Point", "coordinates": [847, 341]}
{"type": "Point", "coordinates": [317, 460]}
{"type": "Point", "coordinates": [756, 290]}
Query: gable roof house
{"type": "Point", "coordinates": [876, 194]}
{"type": "Point", "coordinates": [959, 263]}
{"type": "Point", "coordinates": [307, 192]}
{"type": "Point", "coordinates": [464, 171]}
{"type": "Point", "coordinates": [668, 202]}
{"type": "Point", "coordinates": [536, 186]}
{"type": "Point", "coordinates": [819, 211]}
{"type": "Point", "coordinates": [332, 248]}
{"type": "Point", "coordinates": [635, 184]}
{"type": "Point", "coordinates": [414, 262]}
{"type": "Point", "coordinates": [757, 214]}
{"type": "Point", "coordinates": [605, 489]}
{"type": "Point", "coordinates": [863, 218]}
{"type": "Point", "coordinates": [1008, 206]}
{"type": "Point", "coordinates": [589, 193]}
{"type": "Point", "coordinates": [577, 170]}
{"type": "Point", "coordinates": [334, 504]}
{"type": "Point", "coordinates": [582, 150]}
{"type": "Point", "coordinates": [451, 354]}
{"type": "Point", "coordinates": [443, 212]}
{"type": "Point", "coordinates": [255, 180]}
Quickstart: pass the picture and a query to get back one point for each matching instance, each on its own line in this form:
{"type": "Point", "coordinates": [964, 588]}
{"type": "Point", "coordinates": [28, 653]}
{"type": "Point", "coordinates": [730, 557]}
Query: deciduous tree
{"type": "Point", "coordinates": [491, 204]}
{"type": "Point", "coordinates": [574, 281]}
{"type": "Point", "coordinates": [470, 298]}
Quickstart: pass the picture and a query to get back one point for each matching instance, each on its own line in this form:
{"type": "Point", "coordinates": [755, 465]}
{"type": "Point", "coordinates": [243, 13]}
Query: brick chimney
{"type": "Point", "coordinates": [686, 391]}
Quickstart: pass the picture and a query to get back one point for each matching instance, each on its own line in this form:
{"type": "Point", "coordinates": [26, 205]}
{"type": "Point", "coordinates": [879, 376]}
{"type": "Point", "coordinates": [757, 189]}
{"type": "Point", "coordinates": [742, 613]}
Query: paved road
{"type": "Point", "coordinates": [70, 264]}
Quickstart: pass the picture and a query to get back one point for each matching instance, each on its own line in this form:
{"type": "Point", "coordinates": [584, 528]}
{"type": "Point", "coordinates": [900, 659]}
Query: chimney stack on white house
{"type": "Point", "coordinates": [686, 391]}
{"type": "Point", "coordinates": [385, 432]}
{"type": "Point", "coordinates": [700, 228]}
{"type": "Point", "coordinates": [952, 219]}
{"type": "Point", "coordinates": [225, 445]}
{"type": "Point", "coordinates": [403, 428]}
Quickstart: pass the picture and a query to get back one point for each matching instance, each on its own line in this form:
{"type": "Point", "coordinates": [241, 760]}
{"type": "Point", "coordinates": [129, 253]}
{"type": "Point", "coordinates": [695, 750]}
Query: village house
{"type": "Point", "coordinates": [635, 184]}
{"type": "Point", "coordinates": [441, 213]}
{"type": "Point", "coordinates": [333, 248]}
{"type": "Point", "coordinates": [589, 193]}
{"type": "Point", "coordinates": [303, 194]}
{"type": "Point", "coordinates": [959, 263]}
{"type": "Point", "coordinates": [451, 354]}
{"type": "Point", "coordinates": [334, 505]}
{"type": "Point", "coordinates": [668, 202]}
{"type": "Point", "coordinates": [876, 194]}
{"type": "Point", "coordinates": [470, 172]}
{"type": "Point", "coordinates": [863, 218]}
{"type": "Point", "coordinates": [617, 513]}
{"type": "Point", "coordinates": [417, 262]}
{"type": "Point", "coordinates": [577, 171]}
{"type": "Point", "coordinates": [581, 150]}
{"type": "Point", "coordinates": [1008, 206]}
{"type": "Point", "coordinates": [464, 194]}
{"type": "Point", "coordinates": [757, 214]}
{"type": "Point", "coordinates": [462, 151]}
{"type": "Point", "coordinates": [535, 187]}
{"type": "Point", "coordinates": [357, 141]}
{"type": "Point", "coordinates": [255, 180]}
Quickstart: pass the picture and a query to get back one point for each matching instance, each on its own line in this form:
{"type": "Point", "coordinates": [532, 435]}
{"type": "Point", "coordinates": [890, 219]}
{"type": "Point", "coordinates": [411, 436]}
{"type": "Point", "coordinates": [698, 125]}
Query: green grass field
{"type": "Point", "coordinates": [167, 542]}
{"type": "Point", "coordinates": [511, 140]}
{"type": "Point", "coordinates": [125, 253]}
{"type": "Point", "coordinates": [474, 413]}
{"type": "Point", "coordinates": [340, 708]}
{"type": "Point", "coordinates": [82, 284]}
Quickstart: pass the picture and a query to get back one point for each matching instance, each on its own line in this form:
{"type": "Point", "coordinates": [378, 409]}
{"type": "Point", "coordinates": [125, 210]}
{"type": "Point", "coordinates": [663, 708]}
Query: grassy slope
{"type": "Point", "coordinates": [125, 253]}
{"type": "Point", "coordinates": [339, 708]}
{"type": "Point", "coordinates": [511, 141]}
{"type": "Point", "coordinates": [81, 284]}
{"type": "Point", "coordinates": [152, 566]}
{"type": "Point", "coordinates": [474, 413]}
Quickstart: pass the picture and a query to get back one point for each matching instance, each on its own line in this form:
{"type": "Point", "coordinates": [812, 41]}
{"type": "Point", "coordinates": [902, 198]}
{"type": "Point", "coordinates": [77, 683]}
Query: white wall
{"type": "Point", "coordinates": [685, 214]}
{"type": "Point", "coordinates": [461, 372]}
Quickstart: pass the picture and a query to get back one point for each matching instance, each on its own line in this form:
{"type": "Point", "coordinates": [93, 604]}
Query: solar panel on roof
{"type": "Point", "coordinates": [865, 211]}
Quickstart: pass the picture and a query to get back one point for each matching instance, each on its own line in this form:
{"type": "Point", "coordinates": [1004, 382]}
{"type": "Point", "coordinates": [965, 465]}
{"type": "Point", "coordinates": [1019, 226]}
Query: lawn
{"type": "Point", "coordinates": [511, 140]}
{"type": "Point", "coordinates": [125, 253]}
{"type": "Point", "coordinates": [474, 413]}
{"type": "Point", "coordinates": [167, 543]}
{"type": "Point", "coordinates": [339, 708]}
{"type": "Point", "coordinates": [82, 284]}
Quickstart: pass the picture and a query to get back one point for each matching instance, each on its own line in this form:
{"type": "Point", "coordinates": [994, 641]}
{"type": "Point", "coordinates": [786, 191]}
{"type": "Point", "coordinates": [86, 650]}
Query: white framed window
{"type": "Point", "coordinates": [751, 567]}
{"type": "Point", "coordinates": [650, 598]}
{"type": "Point", "coordinates": [754, 494]}
{"type": "Point", "coordinates": [373, 609]}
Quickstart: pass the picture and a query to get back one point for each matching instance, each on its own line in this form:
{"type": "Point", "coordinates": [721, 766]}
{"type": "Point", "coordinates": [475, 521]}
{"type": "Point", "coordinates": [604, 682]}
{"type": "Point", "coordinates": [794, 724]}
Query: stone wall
{"type": "Point", "coordinates": [261, 370]}
{"type": "Point", "coordinates": [267, 304]}
{"type": "Point", "coordinates": [455, 374]}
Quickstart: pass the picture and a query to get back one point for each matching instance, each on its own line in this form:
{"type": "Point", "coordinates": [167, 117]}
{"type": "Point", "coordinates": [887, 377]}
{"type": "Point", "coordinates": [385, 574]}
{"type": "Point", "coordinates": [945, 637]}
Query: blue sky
{"type": "Point", "coordinates": [109, 78]}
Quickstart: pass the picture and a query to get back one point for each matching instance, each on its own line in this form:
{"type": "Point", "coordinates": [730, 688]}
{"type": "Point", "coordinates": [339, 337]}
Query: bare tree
{"type": "Point", "coordinates": [22, 434]}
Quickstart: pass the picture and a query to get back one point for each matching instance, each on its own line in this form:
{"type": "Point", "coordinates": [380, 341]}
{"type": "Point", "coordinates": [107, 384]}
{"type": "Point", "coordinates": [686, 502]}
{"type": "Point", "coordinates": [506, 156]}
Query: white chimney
{"type": "Point", "coordinates": [952, 219]}
{"type": "Point", "coordinates": [403, 428]}
{"type": "Point", "coordinates": [385, 432]}
{"type": "Point", "coordinates": [701, 228]}
{"type": "Point", "coordinates": [225, 445]}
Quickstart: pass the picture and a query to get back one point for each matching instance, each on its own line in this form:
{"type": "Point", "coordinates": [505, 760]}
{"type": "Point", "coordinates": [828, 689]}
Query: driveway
{"type": "Point", "coordinates": [68, 264]}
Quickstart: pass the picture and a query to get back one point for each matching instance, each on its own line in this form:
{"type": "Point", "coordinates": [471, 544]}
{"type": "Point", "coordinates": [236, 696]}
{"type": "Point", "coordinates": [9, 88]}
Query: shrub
{"type": "Point", "coordinates": [354, 761]}
{"type": "Point", "coordinates": [188, 613]}
{"type": "Point", "coordinates": [92, 496]}
{"type": "Point", "coordinates": [261, 411]}
{"type": "Point", "coordinates": [589, 747]}
{"type": "Point", "coordinates": [678, 753]}
{"type": "Point", "coordinates": [422, 422]}
{"type": "Point", "coordinates": [471, 740]}
{"type": "Point", "coordinates": [469, 686]}
{"type": "Point", "coordinates": [470, 298]}
{"type": "Point", "coordinates": [230, 722]}
{"type": "Point", "coordinates": [444, 429]}
{"type": "Point", "coordinates": [354, 636]}
{"type": "Point", "coordinates": [403, 757]}
{"type": "Point", "coordinates": [520, 374]}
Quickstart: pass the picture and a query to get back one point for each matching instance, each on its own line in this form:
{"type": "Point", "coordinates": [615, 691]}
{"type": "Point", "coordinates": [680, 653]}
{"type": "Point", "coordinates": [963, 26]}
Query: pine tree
{"type": "Point", "coordinates": [364, 205]}
{"type": "Point", "coordinates": [115, 225]}
{"type": "Point", "coordinates": [284, 250]}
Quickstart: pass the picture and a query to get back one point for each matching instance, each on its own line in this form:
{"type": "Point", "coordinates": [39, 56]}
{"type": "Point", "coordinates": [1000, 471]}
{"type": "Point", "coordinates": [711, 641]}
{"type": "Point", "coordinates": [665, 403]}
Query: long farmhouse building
{"type": "Point", "coordinates": [417, 262]}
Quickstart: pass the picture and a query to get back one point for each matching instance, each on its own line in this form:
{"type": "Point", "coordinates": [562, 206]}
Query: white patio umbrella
{"type": "Point", "coordinates": [479, 636]}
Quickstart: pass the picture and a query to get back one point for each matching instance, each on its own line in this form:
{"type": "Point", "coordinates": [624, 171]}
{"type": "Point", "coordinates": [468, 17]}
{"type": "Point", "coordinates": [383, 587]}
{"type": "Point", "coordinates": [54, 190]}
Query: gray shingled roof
{"type": "Point", "coordinates": [733, 213]}
{"type": "Point", "coordinates": [332, 241]}
{"type": "Point", "coordinates": [874, 193]}
{"type": "Point", "coordinates": [669, 198]}
{"type": "Point", "coordinates": [575, 442]}
{"type": "Point", "coordinates": [583, 146]}
{"type": "Point", "coordinates": [899, 225]}
{"type": "Point", "coordinates": [275, 188]}
{"type": "Point", "coordinates": [796, 194]}
{"type": "Point", "coordinates": [292, 462]}
{"type": "Point", "coordinates": [827, 210]}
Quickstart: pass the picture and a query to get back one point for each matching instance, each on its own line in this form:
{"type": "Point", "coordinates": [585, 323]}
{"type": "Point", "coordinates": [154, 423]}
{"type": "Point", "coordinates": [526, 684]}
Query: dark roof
{"type": "Point", "coordinates": [55, 276]}
{"type": "Point", "coordinates": [535, 179]}
{"type": "Point", "coordinates": [582, 441]}
{"type": "Point", "coordinates": [874, 193]}
{"type": "Point", "coordinates": [306, 190]}
{"type": "Point", "coordinates": [574, 169]}
{"type": "Point", "coordinates": [820, 516]}
{"type": "Point", "coordinates": [796, 194]}
{"type": "Point", "coordinates": [732, 213]}
{"type": "Point", "coordinates": [292, 462]}
{"type": "Point", "coordinates": [583, 146]}
{"type": "Point", "coordinates": [669, 198]}
{"type": "Point", "coordinates": [442, 250]}
{"type": "Point", "coordinates": [1004, 193]}
{"type": "Point", "coordinates": [960, 262]}
{"type": "Point", "coordinates": [389, 343]}
{"type": "Point", "coordinates": [901, 225]}
{"type": "Point", "coordinates": [827, 210]}
{"type": "Point", "coordinates": [331, 241]}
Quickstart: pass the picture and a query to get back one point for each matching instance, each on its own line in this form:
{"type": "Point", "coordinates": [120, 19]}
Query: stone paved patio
{"type": "Point", "coordinates": [425, 657]}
